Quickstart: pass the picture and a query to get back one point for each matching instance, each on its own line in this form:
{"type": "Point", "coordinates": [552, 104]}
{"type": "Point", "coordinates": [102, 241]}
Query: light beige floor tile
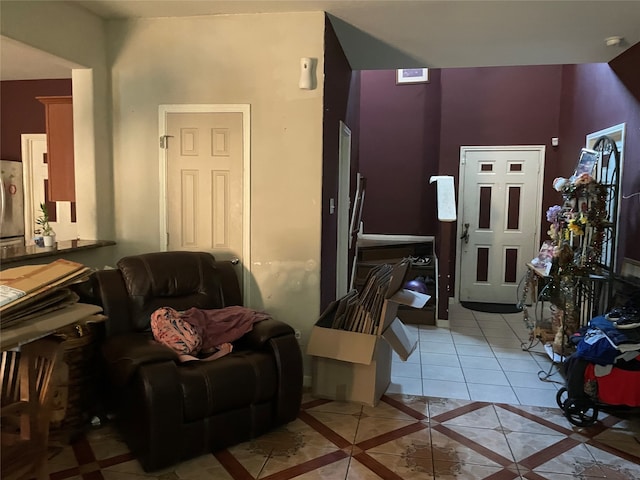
{"type": "Point", "coordinates": [442, 405]}
{"type": "Point", "coordinates": [418, 403]}
{"type": "Point", "coordinates": [468, 322]}
{"type": "Point", "coordinates": [435, 359]}
{"type": "Point", "coordinates": [251, 458]}
{"type": "Point", "coordinates": [525, 444]}
{"type": "Point", "coordinates": [345, 408]}
{"type": "Point", "coordinates": [511, 365]}
{"type": "Point", "coordinates": [460, 471]}
{"type": "Point", "coordinates": [407, 468]}
{"type": "Point", "coordinates": [445, 388]}
{"type": "Point", "coordinates": [344, 425]}
{"type": "Point", "coordinates": [613, 465]}
{"type": "Point", "coordinates": [371, 427]}
{"type": "Point", "coordinates": [514, 422]}
{"type": "Point", "coordinates": [405, 385]}
{"type": "Point", "coordinates": [485, 417]}
{"type": "Point", "coordinates": [577, 461]}
{"type": "Point", "coordinates": [474, 350]}
{"type": "Point", "coordinates": [206, 466]}
{"type": "Point", "coordinates": [416, 444]}
{"type": "Point", "coordinates": [511, 353]}
{"type": "Point", "coordinates": [488, 363]}
{"type": "Point", "coordinates": [510, 342]}
{"type": "Point", "coordinates": [529, 380]}
{"type": "Point", "coordinates": [485, 377]}
{"type": "Point", "coordinates": [448, 449]}
{"type": "Point", "coordinates": [492, 393]}
{"type": "Point", "coordinates": [465, 339]}
{"type": "Point", "coordinates": [553, 415]}
{"type": "Point", "coordinates": [437, 347]}
{"type": "Point", "coordinates": [403, 369]}
{"type": "Point", "coordinates": [499, 332]}
{"type": "Point", "coordinates": [384, 410]}
{"type": "Point", "coordinates": [280, 463]}
{"type": "Point", "coordinates": [443, 372]}
{"type": "Point", "coordinates": [541, 397]}
{"type": "Point", "coordinates": [625, 440]}
{"type": "Point", "coordinates": [473, 331]}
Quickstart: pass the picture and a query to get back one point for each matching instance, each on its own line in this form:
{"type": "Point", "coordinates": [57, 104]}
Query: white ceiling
{"type": "Point", "coordinates": [389, 34]}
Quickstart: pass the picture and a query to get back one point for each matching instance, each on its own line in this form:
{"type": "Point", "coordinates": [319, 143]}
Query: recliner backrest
{"type": "Point", "coordinates": [177, 279]}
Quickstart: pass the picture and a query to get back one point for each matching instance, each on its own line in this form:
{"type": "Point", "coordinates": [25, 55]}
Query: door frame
{"type": "Point", "coordinates": [461, 175]}
{"type": "Point", "coordinates": [344, 205]}
{"type": "Point", "coordinates": [26, 147]}
{"type": "Point", "coordinates": [617, 134]}
{"type": "Point", "coordinates": [245, 110]}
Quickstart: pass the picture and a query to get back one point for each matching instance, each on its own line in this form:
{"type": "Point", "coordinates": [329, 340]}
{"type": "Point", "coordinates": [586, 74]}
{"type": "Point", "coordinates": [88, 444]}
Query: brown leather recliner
{"type": "Point", "coordinates": [169, 411]}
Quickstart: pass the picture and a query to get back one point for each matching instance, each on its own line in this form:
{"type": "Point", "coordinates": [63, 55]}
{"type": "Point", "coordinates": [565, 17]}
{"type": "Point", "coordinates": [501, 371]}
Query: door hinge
{"type": "Point", "coordinates": [167, 238]}
{"type": "Point", "coordinates": [164, 141]}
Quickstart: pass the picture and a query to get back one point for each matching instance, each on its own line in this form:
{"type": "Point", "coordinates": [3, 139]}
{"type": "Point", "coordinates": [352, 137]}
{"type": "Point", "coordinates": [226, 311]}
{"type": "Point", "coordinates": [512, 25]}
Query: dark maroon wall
{"type": "Point", "coordinates": [399, 134]}
{"type": "Point", "coordinates": [493, 106]}
{"type": "Point", "coordinates": [337, 79]}
{"type": "Point", "coordinates": [20, 112]}
{"type": "Point", "coordinates": [490, 106]}
{"type": "Point", "coordinates": [594, 98]}
{"type": "Point", "coordinates": [626, 67]}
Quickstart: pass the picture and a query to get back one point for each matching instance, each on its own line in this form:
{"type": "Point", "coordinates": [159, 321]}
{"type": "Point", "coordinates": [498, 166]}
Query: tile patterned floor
{"type": "Point", "coordinates": [468, 404]}
{"type": "Point", "coordinates": [403, 438]}
{"type": "Point", "coordinates": [480, 357]}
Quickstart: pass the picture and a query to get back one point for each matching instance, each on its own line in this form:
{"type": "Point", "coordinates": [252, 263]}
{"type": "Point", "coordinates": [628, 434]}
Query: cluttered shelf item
{"type": "Point", "coordinates": [422, 276]}
{"type": "Point", "coordinates": [579, 271]}
{"type": "Point", "coordinates": [40, 301]}
{"type": "Point", "coordinates": [351, 342]}
{"type": "Point", "coordinates": [604, 371]}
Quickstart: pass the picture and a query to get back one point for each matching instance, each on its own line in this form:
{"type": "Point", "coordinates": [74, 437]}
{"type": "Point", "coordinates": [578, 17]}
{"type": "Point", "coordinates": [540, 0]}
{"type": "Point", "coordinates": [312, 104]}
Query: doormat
{"type": "Point", "coordinates": [491, 307]}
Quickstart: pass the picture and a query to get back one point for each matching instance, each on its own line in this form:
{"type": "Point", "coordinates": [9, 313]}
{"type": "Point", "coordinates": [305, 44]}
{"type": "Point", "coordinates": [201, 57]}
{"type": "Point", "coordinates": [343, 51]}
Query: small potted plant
{"type": "Point", "coordinates": [48, 235]}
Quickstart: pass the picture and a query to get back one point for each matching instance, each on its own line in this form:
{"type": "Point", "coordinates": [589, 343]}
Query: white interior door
{"type": "Point", "coordinates": [206, 198]}
{"type": "Point", "coordinates": [344, 204]}
{"type": "Point", "coordinates": [499, 218]}
{"type": "Point", "coordinates": [36, 174]}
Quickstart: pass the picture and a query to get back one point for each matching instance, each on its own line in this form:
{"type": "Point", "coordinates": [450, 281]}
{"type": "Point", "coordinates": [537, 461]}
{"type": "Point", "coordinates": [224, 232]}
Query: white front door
{"type": "Point", "coordinates": [499, 218]}
{"type": "Point", "coordinates": [206, 187]}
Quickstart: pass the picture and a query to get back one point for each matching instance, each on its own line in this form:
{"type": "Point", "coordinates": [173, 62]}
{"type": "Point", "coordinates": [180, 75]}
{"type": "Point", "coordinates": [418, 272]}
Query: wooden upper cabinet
{"type": "Point", "coordinates": [59, 126]}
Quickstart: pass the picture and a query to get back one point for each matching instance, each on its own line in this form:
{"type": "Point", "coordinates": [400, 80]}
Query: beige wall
{"type": "Point", "coordinates": [242, 59]}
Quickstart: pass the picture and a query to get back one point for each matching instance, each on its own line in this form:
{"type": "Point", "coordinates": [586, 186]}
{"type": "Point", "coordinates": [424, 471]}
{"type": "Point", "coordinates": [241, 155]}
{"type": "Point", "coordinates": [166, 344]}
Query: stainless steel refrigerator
{"type": "Point", "coordinates": [12, 206]}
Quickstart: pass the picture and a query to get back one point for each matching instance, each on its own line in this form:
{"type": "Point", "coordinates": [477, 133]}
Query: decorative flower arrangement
{"type": "Point", "coordinates": [577, 225]}
{"type": "Point", "coordinates": [576, 228]}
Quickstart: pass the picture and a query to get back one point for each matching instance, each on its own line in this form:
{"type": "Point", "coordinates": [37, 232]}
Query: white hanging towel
{"type": "Point", "coordinates": [446, 197]}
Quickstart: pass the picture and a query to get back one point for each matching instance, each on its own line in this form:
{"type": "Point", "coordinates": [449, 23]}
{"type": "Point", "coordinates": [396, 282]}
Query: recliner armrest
{"type": "Point", "coordinates": [262, 332]}
{"type": "Point", "coordinates": [125, 353]}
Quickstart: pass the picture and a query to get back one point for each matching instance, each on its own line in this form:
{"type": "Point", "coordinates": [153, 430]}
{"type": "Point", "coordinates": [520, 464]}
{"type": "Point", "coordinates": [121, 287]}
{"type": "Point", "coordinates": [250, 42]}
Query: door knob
{"type": "Point", "coordinates": [235, 261]}
{"type": "Point", "coordinates": [465, 234]}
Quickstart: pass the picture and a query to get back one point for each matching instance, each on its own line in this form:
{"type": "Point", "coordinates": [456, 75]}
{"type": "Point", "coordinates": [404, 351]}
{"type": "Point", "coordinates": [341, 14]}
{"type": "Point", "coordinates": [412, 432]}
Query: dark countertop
{"type": "Point", "coordinates": [19, 253]}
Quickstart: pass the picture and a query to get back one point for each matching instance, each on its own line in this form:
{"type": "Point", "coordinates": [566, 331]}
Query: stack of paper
{"type": "Point", "coordinates": [29, 291]}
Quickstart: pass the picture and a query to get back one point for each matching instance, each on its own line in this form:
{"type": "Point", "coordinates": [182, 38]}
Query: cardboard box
{"type": "Point", "coordinates": [356, 367]}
